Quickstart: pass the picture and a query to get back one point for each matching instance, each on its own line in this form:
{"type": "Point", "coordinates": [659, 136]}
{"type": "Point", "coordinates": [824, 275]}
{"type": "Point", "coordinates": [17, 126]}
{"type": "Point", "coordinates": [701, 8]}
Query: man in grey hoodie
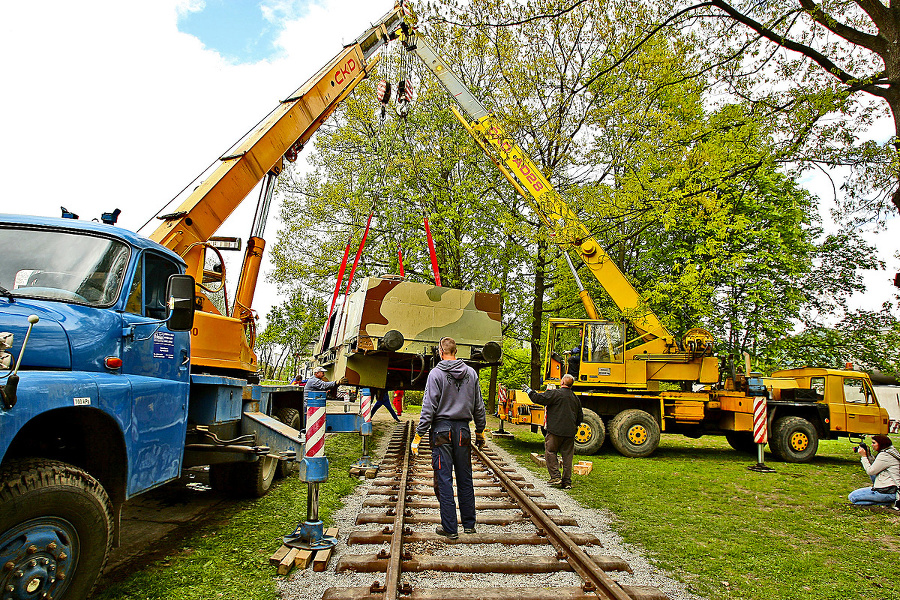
{"type": "Point", "coordinates": [452, 398]}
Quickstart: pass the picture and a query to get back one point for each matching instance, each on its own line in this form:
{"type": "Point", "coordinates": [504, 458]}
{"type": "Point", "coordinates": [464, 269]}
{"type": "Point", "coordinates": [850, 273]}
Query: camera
{"type": "Point", "coordinates": [861, 445]}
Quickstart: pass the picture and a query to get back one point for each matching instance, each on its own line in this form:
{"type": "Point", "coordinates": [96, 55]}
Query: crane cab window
{"type": "Point", "coordinates": [817, 384]}
{"type": "Point", "coordinates": [564, 349]}
{"type": "Point", "coordinates": [148, 290]}
{"type": "Point", "coordinates": [856, 391]}
{"type": "Point", "coordinates": [603, 342]}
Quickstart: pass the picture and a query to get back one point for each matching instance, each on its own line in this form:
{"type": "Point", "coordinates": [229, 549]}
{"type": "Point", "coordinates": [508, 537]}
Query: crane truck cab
{"type": "Point", "coordinates": [97, 407]}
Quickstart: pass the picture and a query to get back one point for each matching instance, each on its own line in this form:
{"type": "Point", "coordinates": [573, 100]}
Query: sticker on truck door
{"type": "Point", "coordinates": [82, 401]}
{"type": "Point", "coordinates": [163, 344]}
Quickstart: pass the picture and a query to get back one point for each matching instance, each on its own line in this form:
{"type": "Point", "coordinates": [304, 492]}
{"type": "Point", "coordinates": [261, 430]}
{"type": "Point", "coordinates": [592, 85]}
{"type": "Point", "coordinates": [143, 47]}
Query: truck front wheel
{"type": "Point", "coordinates": [591, 434]}
{"type": "Point", "coordinates": [55, 530]}
{"type": "Point", "coordinates": [634, 433]}
{"type": "Point", "coordinates": [794, 439]}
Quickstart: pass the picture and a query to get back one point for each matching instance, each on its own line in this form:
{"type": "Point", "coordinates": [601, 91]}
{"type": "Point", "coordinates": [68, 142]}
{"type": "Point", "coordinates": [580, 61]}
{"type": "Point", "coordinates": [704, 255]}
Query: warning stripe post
{"type": "Point", "coordinates": [760, 433]}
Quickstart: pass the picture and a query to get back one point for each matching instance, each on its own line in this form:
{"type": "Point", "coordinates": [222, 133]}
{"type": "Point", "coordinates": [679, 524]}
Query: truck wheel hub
{"type": "Point", "coordinates": [34, 558]}
{"type": "Point", "coordinates": [637, 435]}
{"type": "Point", "coordinates": [584, 434]}
{"type": "Point", "coordinates": [799, 441]}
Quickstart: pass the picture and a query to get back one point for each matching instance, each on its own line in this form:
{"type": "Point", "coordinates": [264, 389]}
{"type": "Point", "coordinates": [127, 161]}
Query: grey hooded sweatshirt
{"type": "Point", "coordinates": [452, 393]}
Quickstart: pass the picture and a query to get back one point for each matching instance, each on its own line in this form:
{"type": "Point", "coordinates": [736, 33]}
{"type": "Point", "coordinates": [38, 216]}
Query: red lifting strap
{"type": "Point", "coordinates": [400, 256]}
{"type": "Point", "coordinates": [362, 244]}
{"type": "Point", "coordinates": [340, 278]}
{"type": "Point", "coordinates": [434, 264]}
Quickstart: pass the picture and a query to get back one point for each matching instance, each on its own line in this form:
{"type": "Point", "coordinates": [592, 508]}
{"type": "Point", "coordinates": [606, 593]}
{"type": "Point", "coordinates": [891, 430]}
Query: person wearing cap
{"type": "Point", "coordinates": [884, 471]}
{"type": "Point", "coordinates": [564, 416]}
{"type": "Point", "coordinates": [452, 399]}
{"type": "Point", "coordinates": [318, 383]}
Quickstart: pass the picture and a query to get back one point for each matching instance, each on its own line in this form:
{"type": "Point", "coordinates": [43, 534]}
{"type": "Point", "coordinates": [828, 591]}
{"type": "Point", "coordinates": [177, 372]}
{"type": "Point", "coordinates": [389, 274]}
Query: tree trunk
{"type": "Point", "coordinates": [537, 312]}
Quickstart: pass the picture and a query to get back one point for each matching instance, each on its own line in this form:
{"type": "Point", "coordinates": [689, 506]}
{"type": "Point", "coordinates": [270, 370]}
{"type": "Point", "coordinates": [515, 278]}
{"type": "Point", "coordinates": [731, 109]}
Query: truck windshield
{"type": "Point", "coordinates": [63, 266]}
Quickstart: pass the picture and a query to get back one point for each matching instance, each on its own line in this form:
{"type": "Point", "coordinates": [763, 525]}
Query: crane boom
{"type": "Point", "coordinates": [187, 231]}
{"type": "Point", "coordinates": [567, 230]}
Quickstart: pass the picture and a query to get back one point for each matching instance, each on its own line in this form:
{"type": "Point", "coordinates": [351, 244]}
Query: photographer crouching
{"type": "Point", "coordinates": [884, 471]}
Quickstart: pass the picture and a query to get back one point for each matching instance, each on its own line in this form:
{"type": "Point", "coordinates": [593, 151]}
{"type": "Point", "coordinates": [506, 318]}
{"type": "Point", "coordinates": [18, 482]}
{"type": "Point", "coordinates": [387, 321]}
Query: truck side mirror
{"type": "Point", "coordinates": [180, 293]}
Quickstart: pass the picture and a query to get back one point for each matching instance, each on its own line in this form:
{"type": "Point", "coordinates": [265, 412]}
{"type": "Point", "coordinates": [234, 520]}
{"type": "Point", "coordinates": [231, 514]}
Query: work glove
{"type": "Point", "coordinates": [479, 439]}
{"type": "Point", "coordinates": [527, 389]}
{"type": "Point", "coordinates": [415, 444]}
{"type": "Point", "coordinates": [343, 381]}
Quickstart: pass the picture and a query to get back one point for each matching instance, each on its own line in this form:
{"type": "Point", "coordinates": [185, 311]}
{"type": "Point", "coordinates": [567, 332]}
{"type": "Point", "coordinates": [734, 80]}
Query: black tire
{"type": "Point", "coordinates": [244, 479]}
{"type": "Point", "coordinates": [794, 439]}
{"type": "Point", "coordinates": [291, 418]}
{"type": "Point", "coordinates": [66, 514]}
{"type": "Point", "coordinates": [634, 433]}
{"type": "Point", "coordinates": [591, 434]}
{"type": "Point", "coordinates": [742, 441]}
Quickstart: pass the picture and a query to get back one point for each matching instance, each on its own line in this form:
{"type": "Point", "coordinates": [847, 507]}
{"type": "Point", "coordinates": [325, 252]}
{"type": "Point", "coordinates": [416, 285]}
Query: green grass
{"type": "Point", "coordinates": [230, 558]}
{"type": "Point", "coordinates": [729, 532]}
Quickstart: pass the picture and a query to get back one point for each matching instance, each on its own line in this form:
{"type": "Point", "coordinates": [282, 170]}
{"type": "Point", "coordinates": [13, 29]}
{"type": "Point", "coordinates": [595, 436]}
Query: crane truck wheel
{"type": "Point", "coordinates": [291, 418]}
{"type": "Point", "coordinates": [55, 530]}
{"type": "Point", "coordinates": [244, 479]}
{"type": "Point", "coordinates": [742, 441]}
{"type": "Point", "coordinates": [634, 433]}
{"type": "Point", "coordinates": [794, 439]}
{"type": "Point", "coordinates": [591, 434]}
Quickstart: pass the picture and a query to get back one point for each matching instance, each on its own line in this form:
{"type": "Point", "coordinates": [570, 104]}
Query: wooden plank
{"type": "Point", "coordinates": [304, 557]}
{"type": "Point", "coordinates": [320, 562]}
{"type": "Point", "coordinates": [287, 563]}
{"type": "Point", "coordinates": [538, 459]}
{"type": "Point", "coordinates": [275, 559]}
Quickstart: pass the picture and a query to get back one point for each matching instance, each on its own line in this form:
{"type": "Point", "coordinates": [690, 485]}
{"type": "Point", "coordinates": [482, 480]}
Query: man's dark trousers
{"type": "Point", "coordinates": [565, 446]}
{"type": "Point", "coordinates": [451, 450]}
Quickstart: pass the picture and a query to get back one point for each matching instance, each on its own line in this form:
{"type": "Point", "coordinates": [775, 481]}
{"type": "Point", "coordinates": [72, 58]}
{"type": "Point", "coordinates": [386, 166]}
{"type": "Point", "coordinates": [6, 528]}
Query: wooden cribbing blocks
{"type": "Point", "coordinates": [583, 467]}
{"type": "Point", "coordinates": [323, 556]}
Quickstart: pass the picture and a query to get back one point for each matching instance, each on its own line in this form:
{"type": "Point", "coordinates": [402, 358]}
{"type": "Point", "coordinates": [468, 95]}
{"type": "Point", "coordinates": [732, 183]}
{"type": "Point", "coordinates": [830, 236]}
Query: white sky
{"type": "Point", "coordinates": [106, 105]}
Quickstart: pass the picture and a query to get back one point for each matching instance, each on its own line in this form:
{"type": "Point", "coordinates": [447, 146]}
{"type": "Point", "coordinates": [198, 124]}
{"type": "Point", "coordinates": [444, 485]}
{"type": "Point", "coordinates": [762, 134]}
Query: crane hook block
{"type": "Point", "coordinates": [384, 92]}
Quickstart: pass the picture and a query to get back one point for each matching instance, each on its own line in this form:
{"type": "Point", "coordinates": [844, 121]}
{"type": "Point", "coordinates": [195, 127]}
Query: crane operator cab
{"type": "Point", "coordinates": [590, 351]}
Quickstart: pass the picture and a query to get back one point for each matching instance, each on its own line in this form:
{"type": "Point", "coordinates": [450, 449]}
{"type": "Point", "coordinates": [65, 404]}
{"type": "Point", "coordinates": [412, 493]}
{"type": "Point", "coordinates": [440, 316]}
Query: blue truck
{"type": "Point", "coordinates": [98, 401]}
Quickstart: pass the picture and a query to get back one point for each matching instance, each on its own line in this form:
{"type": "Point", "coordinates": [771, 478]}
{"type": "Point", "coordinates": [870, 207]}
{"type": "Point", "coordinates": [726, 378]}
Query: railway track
{"type": "Point", "coordinates": [521, 550]}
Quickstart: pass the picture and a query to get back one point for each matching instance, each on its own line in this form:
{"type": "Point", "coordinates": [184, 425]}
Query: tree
{"type": "Point", "coordinates": [840, 53]}
{"type": "Point", "coordinates": [291, 329]}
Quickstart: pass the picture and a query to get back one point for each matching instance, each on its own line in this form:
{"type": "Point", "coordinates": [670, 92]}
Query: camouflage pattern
{"type": "Point", "coordinates": [363, 340]}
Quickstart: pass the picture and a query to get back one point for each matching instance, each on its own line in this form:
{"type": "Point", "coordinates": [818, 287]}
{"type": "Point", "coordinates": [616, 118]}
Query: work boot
{"type": "Point", "coordinates": [449, 536]}
{"type": "Point", "coordinates": [555, 481]}
{"type": "Point", "coordinates": [469, 530]}
{"type": "Point", "coordinates": [566, 486]}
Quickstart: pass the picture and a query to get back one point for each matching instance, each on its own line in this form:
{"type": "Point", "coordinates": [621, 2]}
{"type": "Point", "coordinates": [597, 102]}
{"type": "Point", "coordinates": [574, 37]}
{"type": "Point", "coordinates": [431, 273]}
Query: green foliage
{"type": "Point", "coordinates": [291, 328]}
{"type": "Point", "coordinates": [686, 188]}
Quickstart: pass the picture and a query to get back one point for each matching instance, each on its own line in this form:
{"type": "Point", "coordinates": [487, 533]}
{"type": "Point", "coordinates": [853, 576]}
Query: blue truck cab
{"type": "Point", "coordinates": [102, 404]}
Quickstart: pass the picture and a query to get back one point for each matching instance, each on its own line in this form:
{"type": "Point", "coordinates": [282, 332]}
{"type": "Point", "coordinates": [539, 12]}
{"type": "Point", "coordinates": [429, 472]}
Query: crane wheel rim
{"type": "Point", "coordinates": [637, 435]}
{"type": "Point", "coordinates": [584, 434]}
{"type": "Point", "coordinates": [799, 441]}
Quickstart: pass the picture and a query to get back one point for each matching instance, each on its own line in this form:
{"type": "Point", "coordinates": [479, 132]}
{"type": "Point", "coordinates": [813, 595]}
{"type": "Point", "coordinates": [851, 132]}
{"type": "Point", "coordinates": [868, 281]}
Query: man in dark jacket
{"type": "Point", "coordinates": [564, 415]}
{"type": "Point", "coordinates": [452, 398]}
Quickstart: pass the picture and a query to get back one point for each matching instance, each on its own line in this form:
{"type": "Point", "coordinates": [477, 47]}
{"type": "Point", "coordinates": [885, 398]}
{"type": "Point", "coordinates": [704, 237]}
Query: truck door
{"type": "Point", "coordinates": [863, 412]}
{"type": "Point", "coordinates": [157, 361]}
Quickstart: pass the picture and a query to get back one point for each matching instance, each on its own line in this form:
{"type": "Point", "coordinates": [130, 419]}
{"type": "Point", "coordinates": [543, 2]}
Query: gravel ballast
{"type": "Point", "coordinates": [309, 585]}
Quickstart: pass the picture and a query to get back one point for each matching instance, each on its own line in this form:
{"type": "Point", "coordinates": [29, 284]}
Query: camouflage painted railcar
{"type": "Point", "coordinates": [386, 334]}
